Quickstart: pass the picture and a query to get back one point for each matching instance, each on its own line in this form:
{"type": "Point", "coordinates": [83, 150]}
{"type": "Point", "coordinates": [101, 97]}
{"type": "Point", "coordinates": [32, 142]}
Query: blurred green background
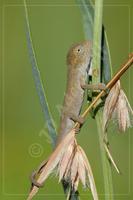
{"type": "Point", "coordinates": [55, 25]}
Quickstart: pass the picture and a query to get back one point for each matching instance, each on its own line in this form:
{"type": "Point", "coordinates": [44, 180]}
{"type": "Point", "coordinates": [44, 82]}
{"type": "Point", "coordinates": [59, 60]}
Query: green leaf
{"type": "Point", "coordinates": [106, 65]}
{"type": "Point", "coordinates": [38, 82]}
{"type": "Point", "coordinates": [87, 12]}
{"type": "Point", "coordinates": [96, 54]}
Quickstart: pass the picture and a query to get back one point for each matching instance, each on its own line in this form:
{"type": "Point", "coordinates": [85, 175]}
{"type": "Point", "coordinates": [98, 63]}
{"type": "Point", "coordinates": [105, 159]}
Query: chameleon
{"type": "Point", "coordinates": [78, 69]}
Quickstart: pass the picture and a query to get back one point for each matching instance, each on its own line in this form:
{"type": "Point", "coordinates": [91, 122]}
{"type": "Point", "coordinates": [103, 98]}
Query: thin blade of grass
{"type": "Point", "coordinates": [106, 65]}
{"type": "Point", "coordinates": [38, 82]}
{"type": "Point", "coordinates": [87, 12]}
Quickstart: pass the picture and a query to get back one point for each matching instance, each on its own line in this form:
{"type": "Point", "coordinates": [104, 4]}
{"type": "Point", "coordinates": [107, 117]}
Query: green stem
{"type": "Point", "coordinates": [96, 62]}
{"type": "Point", "coordinates": [96, 66]}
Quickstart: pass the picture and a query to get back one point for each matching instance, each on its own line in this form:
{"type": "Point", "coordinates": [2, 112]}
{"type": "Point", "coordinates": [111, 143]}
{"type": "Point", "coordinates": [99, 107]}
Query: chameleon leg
{"type": "Point", "coordinates": [33, 181]}
{"type": "Point", "coordinates": [78, 119]}
{"type": "Point", "coordinates": [34, 174]}
{"type": "Point", "coordinates": [99, 86]}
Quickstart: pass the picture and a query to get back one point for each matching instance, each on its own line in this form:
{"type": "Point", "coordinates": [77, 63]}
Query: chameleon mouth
{"type": "Point", "coordinates": [88, 70]}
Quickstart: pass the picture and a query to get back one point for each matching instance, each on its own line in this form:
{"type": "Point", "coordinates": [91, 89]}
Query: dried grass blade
{"type": "Point", "coordinates": [110, 104]}
{"type": "Point", "coordinates": [90, 175]}
{"type": "Point", "coordinates": [74, 168]}
{"type": "Point", "coordinates": [81, 169]}
{"type": "Point", "coordinates": [64, 162]}
{"type": "Point", "coordinates": [111, 158]}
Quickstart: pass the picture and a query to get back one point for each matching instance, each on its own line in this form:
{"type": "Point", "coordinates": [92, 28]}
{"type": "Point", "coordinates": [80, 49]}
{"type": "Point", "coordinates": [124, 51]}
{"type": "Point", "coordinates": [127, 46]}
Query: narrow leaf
{"type": "Point", "coordinates": [87, 12]}
{"type": "Point", "coordinates": [111, 158]}
{"type": "Point", "coordinates": [38, 81]}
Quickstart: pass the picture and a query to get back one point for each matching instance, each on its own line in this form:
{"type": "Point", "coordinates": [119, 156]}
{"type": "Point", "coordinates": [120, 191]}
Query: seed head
{"type": "Point", "coordinates": [117, 108]}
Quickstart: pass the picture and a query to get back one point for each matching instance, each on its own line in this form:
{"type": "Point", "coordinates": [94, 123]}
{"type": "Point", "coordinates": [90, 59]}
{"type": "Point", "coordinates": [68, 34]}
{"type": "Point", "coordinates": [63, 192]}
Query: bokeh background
{"type": "Point", "coordinates": [55, 25]}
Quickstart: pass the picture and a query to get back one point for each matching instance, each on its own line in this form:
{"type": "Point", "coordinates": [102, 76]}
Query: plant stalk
{"type": "Point", "coordinates": [97, 38]}
{"type": "Point", "coordinates": [96, 78]}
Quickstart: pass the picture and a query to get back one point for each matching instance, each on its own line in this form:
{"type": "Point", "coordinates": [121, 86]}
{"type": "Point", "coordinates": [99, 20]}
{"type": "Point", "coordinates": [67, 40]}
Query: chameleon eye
{"type": "Point", "coordinates": [79, 49]}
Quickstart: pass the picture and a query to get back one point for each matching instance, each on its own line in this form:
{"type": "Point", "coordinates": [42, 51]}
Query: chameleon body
{"type": "Point", "coordinates": [78, 60]}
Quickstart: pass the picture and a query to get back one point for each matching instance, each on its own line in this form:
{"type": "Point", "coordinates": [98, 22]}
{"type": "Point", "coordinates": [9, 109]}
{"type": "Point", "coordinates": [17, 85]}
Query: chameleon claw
{"type": "Point", "coordinates": [34, 173]}
{"type": "Point", "coordinates": [94, 87]}
{"type": "Point", "coordinates": [77, 129]}
{"type": "Point", "coordinates": [81, 121]}
{"type": "Point", "coordinates": [78, 119]}
{"type": "Point", "coordinates": [33, 181]}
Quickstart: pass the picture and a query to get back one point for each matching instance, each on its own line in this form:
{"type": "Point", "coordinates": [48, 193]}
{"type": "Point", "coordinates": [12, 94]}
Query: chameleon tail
{"type": "Point", "coordinates": [71, 164]}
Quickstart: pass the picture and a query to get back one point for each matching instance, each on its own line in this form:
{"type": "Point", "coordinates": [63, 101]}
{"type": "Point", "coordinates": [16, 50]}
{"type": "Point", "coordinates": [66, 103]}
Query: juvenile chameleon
{"type": "Point", "coordinates": [78, 66]}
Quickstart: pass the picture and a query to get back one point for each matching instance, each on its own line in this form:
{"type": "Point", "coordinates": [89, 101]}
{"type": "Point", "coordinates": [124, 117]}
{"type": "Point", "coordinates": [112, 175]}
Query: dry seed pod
{"type": "Point", "coordinates": [117, 108]}
{"type": "Point", "coordinates": [123, 112]}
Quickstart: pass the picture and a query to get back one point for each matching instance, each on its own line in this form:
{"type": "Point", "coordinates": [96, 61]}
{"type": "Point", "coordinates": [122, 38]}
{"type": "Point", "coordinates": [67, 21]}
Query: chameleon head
{"type": "Point", "coordinates": [79, 55]}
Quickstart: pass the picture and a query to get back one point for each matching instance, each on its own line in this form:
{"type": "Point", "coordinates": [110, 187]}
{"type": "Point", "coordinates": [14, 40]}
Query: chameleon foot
{"type": "Point", "coordinates": [94, 87]}
{"type": "Point", "coordinates": [78, 119]}
{"type": "Point", "coordinates": [33, 181]}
